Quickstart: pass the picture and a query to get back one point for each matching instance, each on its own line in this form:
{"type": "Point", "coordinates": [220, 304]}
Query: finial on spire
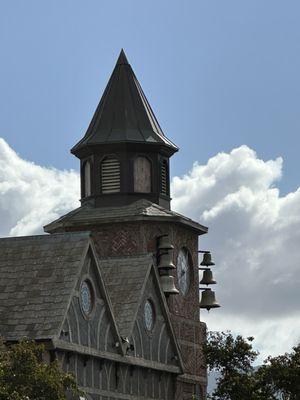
{"type": "Point", "coordinates": [122, 60]}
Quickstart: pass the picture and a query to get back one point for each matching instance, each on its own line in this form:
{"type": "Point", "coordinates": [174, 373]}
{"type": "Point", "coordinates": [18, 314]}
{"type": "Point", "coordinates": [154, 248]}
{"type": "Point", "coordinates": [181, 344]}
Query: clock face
{"type": "Point", "coordinates": [149, 315]}
{"type": "Point", "coordinates": [183, 271]}
{"type": "Point", "coordinates": [86, 298]}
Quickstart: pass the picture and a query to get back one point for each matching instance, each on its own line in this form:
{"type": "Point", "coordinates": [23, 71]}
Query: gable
{"type": "Point", "coordinates": [37, 275]}
{"type": "Point", "coordinates": [96, 330]}
{"type": "Point", "coordinates": [125, 279]}
{"type": "Point", "coordinates": [158, 344]}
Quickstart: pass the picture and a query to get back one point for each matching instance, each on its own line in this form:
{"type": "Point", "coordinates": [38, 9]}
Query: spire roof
{"type": "Point", "coordinates": [124, 113]}
{"type": "Point", "coordinates": [122, 60]}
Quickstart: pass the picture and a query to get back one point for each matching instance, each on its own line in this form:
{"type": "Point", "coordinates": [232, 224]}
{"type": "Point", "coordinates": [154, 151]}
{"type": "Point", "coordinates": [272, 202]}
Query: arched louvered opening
{"type": "Point", "coordinates": [110, 175]}
{"type": "Point", "coordinates": [164, 178]}
{"type": "Point", "coordinates": [142, 175]}
{"type": "Point", "coordinates": [86, 179]}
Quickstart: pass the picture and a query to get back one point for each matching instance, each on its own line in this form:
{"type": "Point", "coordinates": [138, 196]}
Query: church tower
{"type": "Point", "coordinates": [125, 204]}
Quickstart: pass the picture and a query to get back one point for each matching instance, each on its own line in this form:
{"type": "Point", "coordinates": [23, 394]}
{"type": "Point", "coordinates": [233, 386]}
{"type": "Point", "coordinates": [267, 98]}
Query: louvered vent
{"type": "Point", "coordinates": [164, 178]}
{"type": "Point", "coordinates": [110, 175]}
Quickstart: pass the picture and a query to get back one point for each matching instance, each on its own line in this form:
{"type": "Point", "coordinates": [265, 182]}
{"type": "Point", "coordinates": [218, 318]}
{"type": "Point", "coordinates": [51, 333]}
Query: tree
{"type": "Point", "coordinates": [281, 375]}
{"type": "Point", "coordinates": [233, 358]}
{"type": "Point", "coordinates": [25, 376]}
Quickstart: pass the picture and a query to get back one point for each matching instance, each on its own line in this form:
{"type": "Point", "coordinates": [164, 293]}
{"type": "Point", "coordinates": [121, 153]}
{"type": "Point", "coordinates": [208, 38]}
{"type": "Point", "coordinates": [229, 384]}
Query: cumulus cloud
{"type": "Point", "coordinates": [254, 234]}
{"type": "Point", "coordinates": [30, 195]}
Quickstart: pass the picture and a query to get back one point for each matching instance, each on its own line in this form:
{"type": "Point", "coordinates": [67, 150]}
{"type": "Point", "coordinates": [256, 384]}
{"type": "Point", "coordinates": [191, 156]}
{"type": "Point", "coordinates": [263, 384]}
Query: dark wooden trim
{"type": "Point", "coordinates": [83, 350]}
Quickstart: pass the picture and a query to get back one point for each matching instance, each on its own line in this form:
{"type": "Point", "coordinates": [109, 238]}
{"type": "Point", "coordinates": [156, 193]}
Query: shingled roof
{"type": "Point", "coordinates": [37, 276]}
{"type": "Point", "coordinates": [139, 210]}
{"type": "Point", "coordinates": [125, 278]}
{"type": "Point", "coordinates": [124, 113]}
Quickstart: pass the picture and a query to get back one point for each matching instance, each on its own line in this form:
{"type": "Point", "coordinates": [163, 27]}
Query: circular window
{"type": "Point", "coordinates": [184, 271]}
{"type": "Point", "coordinates": [149, 315]}
{"type": "Point", "coordinates": [86, 298]}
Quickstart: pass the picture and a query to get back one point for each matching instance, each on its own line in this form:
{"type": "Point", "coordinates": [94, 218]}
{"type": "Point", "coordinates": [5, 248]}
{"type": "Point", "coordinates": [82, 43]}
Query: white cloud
{"type": "Point", "coordinates": [253, 232]}
{"type": "Point", "coordinates": [254, 235]}
{"type": "Point", "coordinates": [30, 195]}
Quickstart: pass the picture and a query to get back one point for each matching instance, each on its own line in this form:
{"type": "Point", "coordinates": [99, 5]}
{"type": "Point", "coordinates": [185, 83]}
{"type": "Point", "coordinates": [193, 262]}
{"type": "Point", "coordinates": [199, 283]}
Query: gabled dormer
{"type": "Point", "coordinates": [124, 154]}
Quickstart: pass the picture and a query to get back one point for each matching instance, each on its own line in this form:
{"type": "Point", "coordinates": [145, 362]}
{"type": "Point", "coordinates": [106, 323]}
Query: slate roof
{"type": "Point", "coordinates": [139, 210]}
{"type": "Point", "coordinates": [124, 113]}
{"type": "Point", "coordinates": [125, 278]}
{"type": "Point", "coordinates": [39, 273]}
{"type": "Point", "coordinates": [37, 276]}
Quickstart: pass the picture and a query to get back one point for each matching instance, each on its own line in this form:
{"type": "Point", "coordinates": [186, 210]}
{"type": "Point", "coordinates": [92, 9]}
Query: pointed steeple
{"type": "Point", "coordinates": [122, 60]}
{"type": "Point", "coordinates": [124, 154]}
{"type": "Point", "coordinates": [124, 114]}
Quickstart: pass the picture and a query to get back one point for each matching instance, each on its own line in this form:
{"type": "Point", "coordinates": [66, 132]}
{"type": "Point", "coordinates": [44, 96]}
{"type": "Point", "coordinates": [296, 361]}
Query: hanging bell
{"type": "Point", "coordinates": [164, 243]}
{"type": "Point", "coordinates": [208, 300]}
{"type": "Point", "coordinates": [207, 278]}
{"type": "Point", "coordinates": [207, 262]}
{"type": "Point", "coordinates": [168, 285]}
{"type": "Point", "coordinates": [165, 260]}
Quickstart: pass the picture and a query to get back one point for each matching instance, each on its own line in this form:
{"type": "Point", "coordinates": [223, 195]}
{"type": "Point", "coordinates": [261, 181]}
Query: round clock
{"type": "Point", "coordinates": [183, 271]}
{"type": "Point", "coordinates": [149, 315]}
{"type": "Point", "coordinates": [86, 298]}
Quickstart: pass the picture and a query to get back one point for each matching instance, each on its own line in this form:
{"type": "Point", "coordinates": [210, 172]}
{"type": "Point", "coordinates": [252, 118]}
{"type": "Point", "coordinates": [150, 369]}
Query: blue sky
{"type": "Point", "coordinates": [217, 73]}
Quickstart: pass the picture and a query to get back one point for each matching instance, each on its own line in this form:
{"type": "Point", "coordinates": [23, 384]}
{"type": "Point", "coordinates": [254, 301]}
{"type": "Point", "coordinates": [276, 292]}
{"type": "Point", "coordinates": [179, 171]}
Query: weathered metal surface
{"type": "Point", "coordinates": [124, 114]}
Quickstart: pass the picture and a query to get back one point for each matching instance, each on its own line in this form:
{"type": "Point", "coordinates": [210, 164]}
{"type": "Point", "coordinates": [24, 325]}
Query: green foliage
{"type": "Point", "coordinates": [229, 354]}
{"type": "Point", "coordinates": [281, 375]}
{"type": "Point", "coordinates": [25, 376]}
{"type": "Point", "coordinates": [233, 357]}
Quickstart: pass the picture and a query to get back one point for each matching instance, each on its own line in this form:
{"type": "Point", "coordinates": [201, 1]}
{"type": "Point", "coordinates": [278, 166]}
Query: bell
{"type": "Point", "coordinates": [207, 262]}
{"type": "Point", "coordinates": [207, 278]}
{"type": "Point", "coordinates": [167, 284]}
{"type": "Point", "coordinates": [165, 260]}
{"type": "Point", "coordinates": [208, 300]}
{"type": "Point", "coordinates": [164, 243]}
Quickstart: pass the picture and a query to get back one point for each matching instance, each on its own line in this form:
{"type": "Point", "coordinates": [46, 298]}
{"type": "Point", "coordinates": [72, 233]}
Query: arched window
{"type": "Point", "coordinates": [164, 177]}
{"type": "Point", "coordinates": [142, 175]}
{"type": "Point", "coordinates": [87, 179]}
{"type": "Point", "coordinates": [110, 175]}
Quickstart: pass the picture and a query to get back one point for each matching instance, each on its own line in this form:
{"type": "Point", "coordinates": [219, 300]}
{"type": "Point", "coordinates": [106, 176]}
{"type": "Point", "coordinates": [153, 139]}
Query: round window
{"type": "Point", "coordinates": [86, 298]}
{"type": "Point", "coordinates": [149, 315]}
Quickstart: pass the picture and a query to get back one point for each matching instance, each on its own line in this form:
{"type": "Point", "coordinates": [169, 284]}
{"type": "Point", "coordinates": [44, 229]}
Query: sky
{"type": "Point", "coordinates": [223, 80]}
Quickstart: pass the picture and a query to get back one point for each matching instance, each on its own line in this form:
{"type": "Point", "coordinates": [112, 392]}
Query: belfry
{"type": "Point", "coordinates": [124, 154]}
{"type": "Point", "coordinates": [115, 283]}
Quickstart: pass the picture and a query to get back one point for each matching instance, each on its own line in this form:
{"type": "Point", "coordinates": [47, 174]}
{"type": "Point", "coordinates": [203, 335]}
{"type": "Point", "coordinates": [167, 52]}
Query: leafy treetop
{"type": "Point", "coordinates": [233, 357]}
{"type": "Point", "coordinates": [25, 376]}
